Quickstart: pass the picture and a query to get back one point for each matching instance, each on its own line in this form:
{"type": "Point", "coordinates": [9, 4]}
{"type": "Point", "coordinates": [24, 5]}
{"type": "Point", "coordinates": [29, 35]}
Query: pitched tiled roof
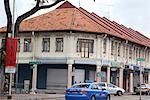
{"type": "Point", "coordinates": [62, 19]}
{"type": "Point", "coordinates": [102, 23]}
{"type": "Point", "coordinates": [129, 35]}
{"type": "Point", "coordinates": [68, 17]}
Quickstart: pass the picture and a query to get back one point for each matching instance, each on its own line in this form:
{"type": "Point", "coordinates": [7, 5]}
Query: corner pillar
{"type": "Point", "coordinates": [34, 79]}
{"type": "Point", "coordinates": [149, 78]}
{"type": "Point", "coordinates": [98, 73]}
{"type": "Point", "coordinates": [131, 82]}
{"type": "Point", "coordinates": [70, 68]}
{"type": "Point", "coordinates": [108, 74]}
{"type": "Point", "coordinates": [121, 77]}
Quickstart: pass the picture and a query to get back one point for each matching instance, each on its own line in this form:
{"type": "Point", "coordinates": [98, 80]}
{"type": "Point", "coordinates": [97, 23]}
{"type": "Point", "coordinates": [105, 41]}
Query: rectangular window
{"type": "Point", "coordinates": [127, 53]}
{"type": "Point", "coordinates": [85, 46]}
{"type": "Point", "coordinates": [136, 52]}
{"type": "Point", "coordinates": [148, 56]}
{"type": "Point", "coordinates": [124, 49]}
{"type": "Point", "coordinates": [143, 53]}
{"type": "Point", "coordinates": [112, 47]}
{"type": "Point", "coordinates": [46, 45]}
{"type": "Point", "coordinates": [130, 52]}
{"type": "Point", "coordinates": [104, 45]}
{"type": "Point", "coordinates": [84, 50]}
{"type": "Point", "coordinates": [139, 53]}
{"type": "Point", "coordinates": [119, 47]}
{"type": "Point", "coordinates": [59, 44]}
{"type": "Point", "coordinates": [90, 45]}
{"type": "Point", "coordinates": [78, 46]}
{"type": "Point", "coordinates": [115, 48]}
{"type": "Point", "coordinates": [27, 45]}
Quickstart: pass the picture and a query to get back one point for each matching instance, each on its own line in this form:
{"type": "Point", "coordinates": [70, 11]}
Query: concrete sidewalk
{"type": "Point", "coordinates": [33, 96]}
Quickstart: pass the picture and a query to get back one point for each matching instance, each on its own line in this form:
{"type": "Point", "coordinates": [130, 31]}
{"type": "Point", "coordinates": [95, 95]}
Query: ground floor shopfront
{"type": "Point", "coordinates": [61, 76]}
{"type": "Point", "coordinates": [50, 76]}
{"type": "Point", "coordinates": [131, 77]}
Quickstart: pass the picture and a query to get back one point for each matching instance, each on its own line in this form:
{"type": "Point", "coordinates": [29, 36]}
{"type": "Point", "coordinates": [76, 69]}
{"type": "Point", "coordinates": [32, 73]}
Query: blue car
{"type": "Point", "coordinates": [86, 91]}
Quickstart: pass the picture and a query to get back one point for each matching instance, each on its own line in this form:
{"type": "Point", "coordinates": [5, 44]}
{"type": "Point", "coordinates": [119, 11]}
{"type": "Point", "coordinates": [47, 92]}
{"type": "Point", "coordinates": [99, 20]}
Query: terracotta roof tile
{"type": "Point", "coordinates": [66, 5]}
{"type": "Point", "coordinates": [68, 17]}
{"type": "Point", "coordinates": [129, 36]}
{"type": "Point", "coordinates": [61, 19]}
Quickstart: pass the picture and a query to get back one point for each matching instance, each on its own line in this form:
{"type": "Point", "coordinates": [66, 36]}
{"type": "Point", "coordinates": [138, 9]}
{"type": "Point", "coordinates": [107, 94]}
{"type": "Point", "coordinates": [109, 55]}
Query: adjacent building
{"type": "Point", "coordinates": [70, 45]}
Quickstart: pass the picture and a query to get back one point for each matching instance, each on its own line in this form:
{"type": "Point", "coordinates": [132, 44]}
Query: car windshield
{"type": "Point", "coordinates": [81, 86]}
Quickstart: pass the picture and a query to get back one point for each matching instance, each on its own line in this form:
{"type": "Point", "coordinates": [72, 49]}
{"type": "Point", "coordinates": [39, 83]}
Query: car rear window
{"type": "Point", "coordinates": [81, 86]}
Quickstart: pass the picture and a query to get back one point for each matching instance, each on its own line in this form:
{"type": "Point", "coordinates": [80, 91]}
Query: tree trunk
{"type": "Point", "coordinates": [16, 30]}
{"type": "Point", "coordinates": [3, 48]}
{"type": "Point", "coordinates": [9, 17]}
{"type": "Point", "coordinates": [2, 80]}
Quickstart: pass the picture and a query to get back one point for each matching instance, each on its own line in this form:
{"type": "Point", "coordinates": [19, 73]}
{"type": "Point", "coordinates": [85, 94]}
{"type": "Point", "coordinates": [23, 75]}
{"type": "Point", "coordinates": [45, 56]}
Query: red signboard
{"type": "Point", "coordinates": [11, 50]}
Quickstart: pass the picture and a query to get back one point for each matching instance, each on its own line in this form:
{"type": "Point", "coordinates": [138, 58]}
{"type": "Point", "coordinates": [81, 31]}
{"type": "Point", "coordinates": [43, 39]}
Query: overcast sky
{"type": "Point", "coordinates": [131, 13]}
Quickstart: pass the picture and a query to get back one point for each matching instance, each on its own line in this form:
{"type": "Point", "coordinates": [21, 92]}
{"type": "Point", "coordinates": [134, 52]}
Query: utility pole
{"type": "Point", "coordinates": [12, 35]}
{"type": "Point", "coordinates": [140, 62]}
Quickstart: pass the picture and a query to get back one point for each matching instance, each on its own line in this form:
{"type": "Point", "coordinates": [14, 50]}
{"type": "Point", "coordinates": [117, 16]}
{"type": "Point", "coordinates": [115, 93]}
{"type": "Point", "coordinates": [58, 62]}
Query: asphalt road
{"type": "Point", "coordinates": [61, 97]}
{"type": "Point", "coordinates": [125, 97]}
{"type": "Point", "coordinates": [130, 97]}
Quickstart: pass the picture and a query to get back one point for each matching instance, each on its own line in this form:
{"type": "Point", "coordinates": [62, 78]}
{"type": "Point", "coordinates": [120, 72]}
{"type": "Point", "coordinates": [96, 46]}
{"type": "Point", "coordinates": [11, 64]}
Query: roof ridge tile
{"type": "Point", "coordinates": [66, 4]}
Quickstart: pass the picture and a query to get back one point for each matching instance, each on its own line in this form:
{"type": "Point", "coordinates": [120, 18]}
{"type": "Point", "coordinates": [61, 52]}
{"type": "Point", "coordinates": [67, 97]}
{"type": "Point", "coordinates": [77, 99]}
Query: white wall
{"type": "Point", "coordinates": [70, 40]}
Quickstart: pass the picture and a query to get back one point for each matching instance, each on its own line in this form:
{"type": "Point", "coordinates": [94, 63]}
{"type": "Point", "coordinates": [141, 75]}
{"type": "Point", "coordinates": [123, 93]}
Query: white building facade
{"type": "Point", "coordinates": [67, 57]}
{"type": "Point", "coordinates": [54, 60]}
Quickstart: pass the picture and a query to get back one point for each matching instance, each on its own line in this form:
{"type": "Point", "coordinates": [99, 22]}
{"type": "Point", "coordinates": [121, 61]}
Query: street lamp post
{"type": "Point", "coordinates": [140, 80]}
{"type": "Point", "coordinates": [140, 60]}
{"type": "Point", "coordinates": [18, 49]}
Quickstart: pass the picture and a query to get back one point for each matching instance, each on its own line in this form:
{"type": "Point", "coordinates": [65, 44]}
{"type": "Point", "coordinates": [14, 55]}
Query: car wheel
{"type": "Point", "coordinates": [137, 93]}
{"type": "Point", "coordinates": [119, 93]}
{"type": "Point", "coordinates": [93, 98]}
{"type": "Point", "coordinates": [147, 93]}
{"type": "Point", "coordinates": [108, 97]}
